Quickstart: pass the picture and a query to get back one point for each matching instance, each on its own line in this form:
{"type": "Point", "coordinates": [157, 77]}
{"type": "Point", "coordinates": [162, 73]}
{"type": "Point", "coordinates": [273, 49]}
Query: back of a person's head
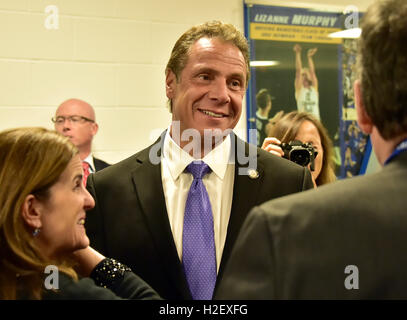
{"type": "Point", "coordinates": [382, 62]}
{"type": "Point", "coordinates": [263, 98]}
{"type": "Point", "coordinates": [214, 29]}
{"type": "Point", "coordinates": [286, 129]}
{"type": "Point", "coordinates": [31, 161]}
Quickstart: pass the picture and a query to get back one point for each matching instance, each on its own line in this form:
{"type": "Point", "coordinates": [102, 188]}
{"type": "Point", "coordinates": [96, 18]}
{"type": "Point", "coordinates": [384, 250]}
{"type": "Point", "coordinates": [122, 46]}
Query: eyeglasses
{"type": "Point", "coordinates": [60, 120]}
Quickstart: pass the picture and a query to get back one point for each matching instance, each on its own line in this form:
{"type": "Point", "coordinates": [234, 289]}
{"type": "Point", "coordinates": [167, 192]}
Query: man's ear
{"type": "Point", "coordinates": [364, 121]}
{"type": "Point", "coordinates": [170, 81]}
{"type": "Point", "coordinates": [95, 128]}
{"type": "Point", "coordinates": [31, 211]}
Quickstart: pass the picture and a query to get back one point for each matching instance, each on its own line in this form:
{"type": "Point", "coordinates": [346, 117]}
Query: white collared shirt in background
{"type": "Point", "coordinates": [89, 160]}
{"type": "Point", "coordinates": [218, 183]}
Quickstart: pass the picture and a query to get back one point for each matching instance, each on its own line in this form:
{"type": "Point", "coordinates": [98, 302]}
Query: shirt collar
{"type": "Point", "coordinates": [89, 161]}
{"type": "Point", "coordinates": [258, 115]}
{"type": "Point", "coordinates": [177, 159]}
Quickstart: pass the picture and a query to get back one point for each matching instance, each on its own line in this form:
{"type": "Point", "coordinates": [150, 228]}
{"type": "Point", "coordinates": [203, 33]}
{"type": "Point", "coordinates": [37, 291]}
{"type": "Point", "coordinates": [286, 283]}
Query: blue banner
{"type": "Point", "coordinates": [283, 39]}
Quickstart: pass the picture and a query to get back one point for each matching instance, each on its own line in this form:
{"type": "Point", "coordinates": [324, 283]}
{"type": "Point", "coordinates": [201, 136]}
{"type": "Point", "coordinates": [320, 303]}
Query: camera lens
{"type": "Point", "coordinates": [301, 157]}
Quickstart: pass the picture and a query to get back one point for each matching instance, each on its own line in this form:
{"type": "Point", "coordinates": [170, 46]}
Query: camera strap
{"type": "Point", "coordinates": [402, 147]}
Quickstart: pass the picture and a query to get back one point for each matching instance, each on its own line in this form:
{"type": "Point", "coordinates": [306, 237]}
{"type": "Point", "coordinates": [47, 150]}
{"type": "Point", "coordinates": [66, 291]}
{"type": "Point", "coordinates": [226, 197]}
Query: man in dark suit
{"type": "Point", "coordinates": [345, 240]}
{"type": "Point", "coordinates": [76, 119]}
{"type": "Point", "coordinates": [140, 202]}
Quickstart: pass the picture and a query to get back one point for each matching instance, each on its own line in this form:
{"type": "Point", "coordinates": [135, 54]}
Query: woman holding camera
{"type": "Point", "coordinates": [306, 128]}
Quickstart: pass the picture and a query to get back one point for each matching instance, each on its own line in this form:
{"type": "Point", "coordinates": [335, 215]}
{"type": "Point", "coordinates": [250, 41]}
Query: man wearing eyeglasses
{"type": "Point", "coordinates": [75, 119]}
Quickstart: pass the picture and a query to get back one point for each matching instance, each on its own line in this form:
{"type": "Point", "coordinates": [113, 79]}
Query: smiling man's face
{"type": "Point", "coordinates": [210, 90]}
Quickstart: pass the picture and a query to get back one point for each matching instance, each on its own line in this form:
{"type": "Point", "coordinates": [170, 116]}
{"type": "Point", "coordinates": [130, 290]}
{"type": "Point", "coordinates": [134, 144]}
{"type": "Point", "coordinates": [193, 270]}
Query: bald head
{"type": "Point", "coordinates": [76, 107]}
{"type": "Point", "coordinates": [78, 124]}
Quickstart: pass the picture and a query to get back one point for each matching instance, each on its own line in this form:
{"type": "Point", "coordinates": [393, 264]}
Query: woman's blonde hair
{"type": "Point", "coordinates": [31, 161]}
{"type": "Point", "coordinates": [286, 129]}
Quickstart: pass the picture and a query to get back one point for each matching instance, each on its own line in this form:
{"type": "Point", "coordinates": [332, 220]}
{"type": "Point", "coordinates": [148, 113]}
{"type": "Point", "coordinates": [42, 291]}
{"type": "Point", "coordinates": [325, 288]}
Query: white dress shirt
{"type": "Point", "coordinates": [218, 183]}
{"type": "Point", "coordinates": [89, 161]}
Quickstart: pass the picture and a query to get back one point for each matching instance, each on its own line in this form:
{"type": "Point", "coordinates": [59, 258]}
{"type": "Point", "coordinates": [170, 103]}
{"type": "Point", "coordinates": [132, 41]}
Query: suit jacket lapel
{"type": "Point", "coordinates": [245, 191]}
{"type": "Point", "coordinates": [148, 183]}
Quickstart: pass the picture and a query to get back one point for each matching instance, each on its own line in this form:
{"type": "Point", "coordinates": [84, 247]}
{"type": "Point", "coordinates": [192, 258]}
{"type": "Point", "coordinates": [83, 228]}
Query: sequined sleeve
{"type": "Point", "coordinates": [108, 272]}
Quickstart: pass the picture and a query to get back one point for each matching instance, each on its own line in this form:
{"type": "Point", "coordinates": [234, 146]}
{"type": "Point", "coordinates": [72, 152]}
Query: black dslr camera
{"type": "Point", "coordinates": [300, 153]}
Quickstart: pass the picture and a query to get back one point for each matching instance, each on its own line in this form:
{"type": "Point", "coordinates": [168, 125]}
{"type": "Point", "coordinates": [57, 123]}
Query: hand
{"type": "Point", "coordinates": [272, 145]}
{"type": "Point", "coordinates": [297, 48]}
{"type": "Point", "coordinates": [87, 260]}
{"type": "Point", "coordinates": [311, 52]}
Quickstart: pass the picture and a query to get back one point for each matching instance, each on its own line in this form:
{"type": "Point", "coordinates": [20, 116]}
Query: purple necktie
{"type": "Point", "coordinates": [198, 244]}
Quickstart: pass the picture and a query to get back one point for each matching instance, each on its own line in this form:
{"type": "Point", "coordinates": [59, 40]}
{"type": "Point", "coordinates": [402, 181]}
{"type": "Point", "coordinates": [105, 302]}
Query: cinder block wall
{"type": "Point", "coordinates": [111, 53]}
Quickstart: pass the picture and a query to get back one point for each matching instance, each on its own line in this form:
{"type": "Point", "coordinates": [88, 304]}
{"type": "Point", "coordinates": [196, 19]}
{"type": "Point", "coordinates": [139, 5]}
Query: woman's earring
{"type": "Point", "coordinates": [36, 232]}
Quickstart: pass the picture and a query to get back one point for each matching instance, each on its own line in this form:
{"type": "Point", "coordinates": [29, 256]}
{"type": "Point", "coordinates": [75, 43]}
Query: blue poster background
{"type": "Point", "coordinates": [272, 32]}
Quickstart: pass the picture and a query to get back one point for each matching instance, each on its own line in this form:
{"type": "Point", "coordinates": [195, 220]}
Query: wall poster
{"type": "Point", "coordinates": [295, 39]}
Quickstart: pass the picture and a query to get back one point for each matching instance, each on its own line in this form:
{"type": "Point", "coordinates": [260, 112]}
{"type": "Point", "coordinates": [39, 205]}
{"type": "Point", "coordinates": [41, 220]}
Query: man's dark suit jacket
{"type": "Point", "coordinates": [100, 164]}
{"type": "Point", "coordinates": [130, 220]}
{"type": "Point", "coordinates": [298, 247]}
